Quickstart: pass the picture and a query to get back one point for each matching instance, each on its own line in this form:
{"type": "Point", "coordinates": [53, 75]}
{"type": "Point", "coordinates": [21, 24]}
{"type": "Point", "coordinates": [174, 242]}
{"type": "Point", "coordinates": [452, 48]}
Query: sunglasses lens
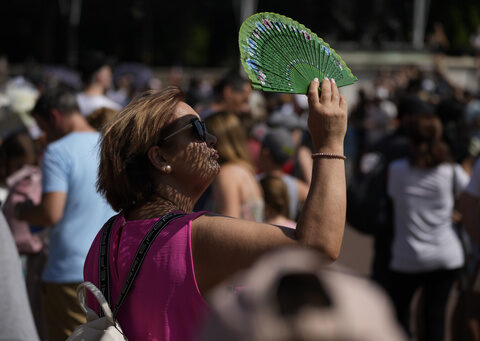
{"type": "Point", "coordinates": [204, 131]}
{"type": "Point", "coordinates": [201, 129]}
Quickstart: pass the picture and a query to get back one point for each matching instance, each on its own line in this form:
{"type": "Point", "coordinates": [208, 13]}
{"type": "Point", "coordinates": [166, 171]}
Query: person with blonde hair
{"type": "Point", "coordinates": [236, 192]}
{"type": "Point", "coordinates": [157, 158]}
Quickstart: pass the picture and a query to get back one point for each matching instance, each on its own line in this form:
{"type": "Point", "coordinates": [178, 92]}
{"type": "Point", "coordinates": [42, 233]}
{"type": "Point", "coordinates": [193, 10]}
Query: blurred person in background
{"type": "Point", "coordinates": [235, 191]}
{"type": "Point", "coordinates": [290, 121]}
{"type": "Point", "coordinates": [18, 160]}
{"type": "Point", "coordinates": [99, 117]}
{"type": "Point", "coordinates": [380, 118]}
{"type": "Point", "coordinates": [129, 80]}
{"type": "Point", "coordinates": [70, 204]}
{"type": "Point", "coordinates": [357, 128]}
{"type": "Point", "coordinates": [475, 42]}
{"type": "Point", "coordinates": [4, 72]}
{"type": "Point", "coordinates": [437, 39]}
{"type": "Point", "coordinates": [466, 324]}
{"type": "Point", "coordinates": [16, 322]}
{"type": "Point", "coordinates": [302, 166]}
{"type": "Point", "coordinates": [277, 204]}
{"type": "Point", "coordinates": [278, 148]}
{"type": "Point", "coordinates": [123, 91]}
{"type": "Point", "coordinates": [199, 91]}
{"type": "Point", "coordinates": [392, 147]}
{"type": "Point", "coordinates": [231, 96]}
{"type": "Point", "coordinates": [97, 78]}
{"type": "Point", "coordinates": [426, 250]}
{"type": "Point", "coordinates": [469, 205]}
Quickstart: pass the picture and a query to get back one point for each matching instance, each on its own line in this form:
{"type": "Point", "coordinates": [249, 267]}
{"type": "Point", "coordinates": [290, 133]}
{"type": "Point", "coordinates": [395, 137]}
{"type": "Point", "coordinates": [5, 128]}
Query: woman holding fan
{"type": "Point", "coordinates": [157, 157]}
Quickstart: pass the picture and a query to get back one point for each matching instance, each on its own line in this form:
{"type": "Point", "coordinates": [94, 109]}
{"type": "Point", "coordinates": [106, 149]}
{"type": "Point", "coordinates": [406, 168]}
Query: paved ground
{"type": "Point", "coordinates": [357, 251]}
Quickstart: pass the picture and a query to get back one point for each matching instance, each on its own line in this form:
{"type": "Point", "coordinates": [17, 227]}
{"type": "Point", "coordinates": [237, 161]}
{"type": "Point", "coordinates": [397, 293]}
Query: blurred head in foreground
{"type": "Point", "coordinates": [289, 295]}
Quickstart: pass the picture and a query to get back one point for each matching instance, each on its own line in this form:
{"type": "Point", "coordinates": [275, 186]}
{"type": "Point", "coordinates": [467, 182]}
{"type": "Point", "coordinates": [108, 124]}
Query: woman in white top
{"type": "Point", "coordinates": [426, 251]}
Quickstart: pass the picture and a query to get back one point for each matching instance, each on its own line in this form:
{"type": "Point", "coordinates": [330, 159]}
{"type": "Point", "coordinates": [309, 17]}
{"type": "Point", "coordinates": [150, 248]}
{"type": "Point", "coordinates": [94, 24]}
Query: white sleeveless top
{"type": "Point", "coordinates": [424, 238]}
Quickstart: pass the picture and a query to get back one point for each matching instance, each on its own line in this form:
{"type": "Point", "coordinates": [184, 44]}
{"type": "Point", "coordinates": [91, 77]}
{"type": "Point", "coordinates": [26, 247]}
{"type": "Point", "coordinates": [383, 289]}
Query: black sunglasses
{"type": "Point", "coordinates": [198, 126]}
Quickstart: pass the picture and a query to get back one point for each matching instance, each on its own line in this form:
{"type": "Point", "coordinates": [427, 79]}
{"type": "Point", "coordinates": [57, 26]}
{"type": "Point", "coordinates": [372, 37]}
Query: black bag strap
{"type": "Point", "coordinates": [103, 273]}
{"type": "Point", "coordinates": [104, 267]}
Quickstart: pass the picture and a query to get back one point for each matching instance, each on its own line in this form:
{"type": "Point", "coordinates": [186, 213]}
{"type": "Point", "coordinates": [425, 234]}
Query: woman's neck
{"type": "Point", "coordinates": [159, 206]}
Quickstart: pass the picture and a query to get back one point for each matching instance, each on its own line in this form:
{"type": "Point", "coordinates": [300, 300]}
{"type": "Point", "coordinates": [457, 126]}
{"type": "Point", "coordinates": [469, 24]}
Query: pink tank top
{"type": "Point", "coordinates": [164, 302]}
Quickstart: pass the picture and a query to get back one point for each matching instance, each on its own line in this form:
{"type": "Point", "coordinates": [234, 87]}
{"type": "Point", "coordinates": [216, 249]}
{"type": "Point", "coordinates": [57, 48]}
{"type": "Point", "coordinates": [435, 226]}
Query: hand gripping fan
{"type": "Point", "coordinates": [281, 55]}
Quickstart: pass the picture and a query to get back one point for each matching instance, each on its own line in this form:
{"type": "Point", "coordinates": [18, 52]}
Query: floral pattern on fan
{"type": "Point", "coordinates": [281, 55]}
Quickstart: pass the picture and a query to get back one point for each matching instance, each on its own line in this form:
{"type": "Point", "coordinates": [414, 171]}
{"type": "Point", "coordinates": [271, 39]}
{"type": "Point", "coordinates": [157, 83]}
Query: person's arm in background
{"type": "Point", "coordinates": [47, 213]}
{"type": "Point", "coordinates": [55, 185]}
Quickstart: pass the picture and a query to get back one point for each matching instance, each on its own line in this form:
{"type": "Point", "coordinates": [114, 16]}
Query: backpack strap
{"type": "Point", "coordinates": [104, 276]}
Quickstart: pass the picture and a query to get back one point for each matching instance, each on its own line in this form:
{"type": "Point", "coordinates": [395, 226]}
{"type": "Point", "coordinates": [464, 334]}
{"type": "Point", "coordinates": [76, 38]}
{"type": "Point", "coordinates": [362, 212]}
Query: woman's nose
{"type": "Point", "coordinates": [211, 139]}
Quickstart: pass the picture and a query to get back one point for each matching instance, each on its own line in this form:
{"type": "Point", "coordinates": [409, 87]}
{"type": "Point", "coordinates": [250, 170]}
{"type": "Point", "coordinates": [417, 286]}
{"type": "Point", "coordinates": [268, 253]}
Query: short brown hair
{"type": "Point", "coordinates": [124, 174]}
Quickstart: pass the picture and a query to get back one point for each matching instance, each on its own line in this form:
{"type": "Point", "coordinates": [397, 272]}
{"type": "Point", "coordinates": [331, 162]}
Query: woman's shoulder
{"type": "Point", "coordinates": [235, 170]}
{"type": "Point", "coordinates": [461, 176]}
{"type": "Point", "coordinates": [449, 168]}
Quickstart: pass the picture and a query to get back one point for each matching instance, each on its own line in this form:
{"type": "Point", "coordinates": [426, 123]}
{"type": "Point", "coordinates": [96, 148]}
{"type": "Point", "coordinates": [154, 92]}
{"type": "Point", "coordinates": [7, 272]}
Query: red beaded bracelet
{"type": "Point", "coordinates": [328, 156]}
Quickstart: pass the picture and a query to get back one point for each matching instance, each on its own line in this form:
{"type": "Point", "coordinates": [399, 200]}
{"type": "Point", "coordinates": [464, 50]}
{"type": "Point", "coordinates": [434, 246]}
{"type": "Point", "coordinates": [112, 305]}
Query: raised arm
{"type": "Point", "coordinates": [322, 219]}
{"type": "Point", "coordinates": [221, 246]}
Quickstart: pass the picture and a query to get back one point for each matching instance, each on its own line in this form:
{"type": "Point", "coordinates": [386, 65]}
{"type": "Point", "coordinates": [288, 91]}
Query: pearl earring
{"type": "Point", "coordinates": [168, 169]}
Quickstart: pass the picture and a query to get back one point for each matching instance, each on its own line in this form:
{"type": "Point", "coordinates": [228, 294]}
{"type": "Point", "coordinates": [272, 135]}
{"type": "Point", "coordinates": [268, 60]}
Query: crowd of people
{"type": "Point", "coordinates": [248, 173]}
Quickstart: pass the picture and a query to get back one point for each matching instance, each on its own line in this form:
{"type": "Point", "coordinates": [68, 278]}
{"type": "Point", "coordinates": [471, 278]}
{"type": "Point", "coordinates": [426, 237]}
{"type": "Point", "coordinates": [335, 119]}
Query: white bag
{"type": "Point", "coordinates": [97, 328]}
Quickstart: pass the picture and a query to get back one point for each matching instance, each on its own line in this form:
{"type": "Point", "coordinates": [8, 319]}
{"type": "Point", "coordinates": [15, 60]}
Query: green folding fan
{"type": "Point", "coordinates": [281, 55]}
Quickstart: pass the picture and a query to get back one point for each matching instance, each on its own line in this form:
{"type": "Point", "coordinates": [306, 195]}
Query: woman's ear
{"type": "Point", "coordinates": [157, 160]}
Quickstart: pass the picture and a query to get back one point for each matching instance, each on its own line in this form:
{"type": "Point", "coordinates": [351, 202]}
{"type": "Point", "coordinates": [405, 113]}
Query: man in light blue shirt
{"type": "Point", "coordinates": [70, 204]}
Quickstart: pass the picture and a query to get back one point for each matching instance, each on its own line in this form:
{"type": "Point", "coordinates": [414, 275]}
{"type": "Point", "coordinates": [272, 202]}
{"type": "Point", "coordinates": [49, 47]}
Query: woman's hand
{"type": "Point", "coordinates": [327, 119]}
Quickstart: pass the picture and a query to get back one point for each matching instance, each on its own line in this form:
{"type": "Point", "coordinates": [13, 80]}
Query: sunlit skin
{"type": "Point", "coordinates": [200, 156]}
